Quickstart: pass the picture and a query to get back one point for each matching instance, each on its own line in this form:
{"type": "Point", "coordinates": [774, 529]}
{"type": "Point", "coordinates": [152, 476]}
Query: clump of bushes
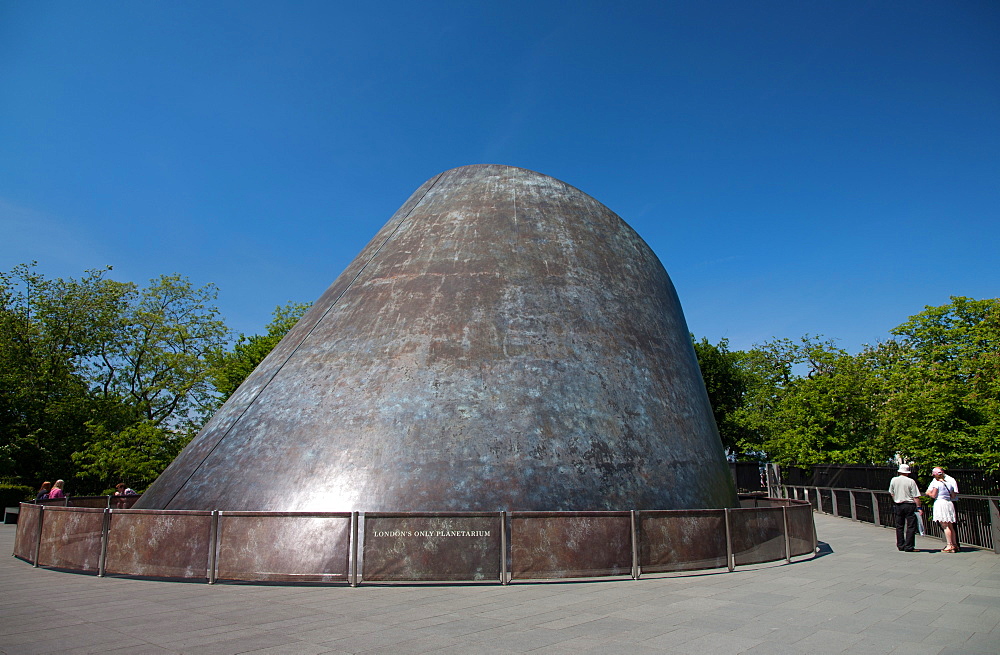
{"type": "Point", "coordinates": [12, 494]}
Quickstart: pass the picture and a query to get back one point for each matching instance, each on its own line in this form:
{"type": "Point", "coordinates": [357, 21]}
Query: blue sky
{"type": "Point", "coordinates": [799, 167]}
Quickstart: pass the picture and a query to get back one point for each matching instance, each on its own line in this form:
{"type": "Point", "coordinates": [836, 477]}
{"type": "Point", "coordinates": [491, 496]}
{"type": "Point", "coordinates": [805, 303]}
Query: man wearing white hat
{"type": "Point", "coordinates": [906, 496]}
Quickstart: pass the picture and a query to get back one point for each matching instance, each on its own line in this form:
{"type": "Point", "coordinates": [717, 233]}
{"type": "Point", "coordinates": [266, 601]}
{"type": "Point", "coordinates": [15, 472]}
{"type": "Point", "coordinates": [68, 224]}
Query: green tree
{"type": "Point", "coordinates": [77, 355]}
{"type": "Point", "coordinates": [828, 416]}
{"type": "Point", "coordinates": [942, 375]}
{"type": "Point", "coordinates": [726, 382]}
{"type": "Point", "coordinates": [45, 400]}
{"type": "Point", "coordinates": [155, 356]}
{"type": "Point", "coordinates": [808, 402]}
{"type": "Point", "coordinates": [136, 454]}
{"type": "Point", "coordinates": [231, 368]}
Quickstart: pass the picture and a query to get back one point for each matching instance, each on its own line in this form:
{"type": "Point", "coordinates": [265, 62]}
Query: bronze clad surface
{"type": "Point", "coordinates": [505, 342]}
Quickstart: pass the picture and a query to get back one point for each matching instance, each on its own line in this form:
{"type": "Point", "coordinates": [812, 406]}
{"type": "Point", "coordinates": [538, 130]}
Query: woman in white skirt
{"type": "Point", "coordinates": [944, 492]}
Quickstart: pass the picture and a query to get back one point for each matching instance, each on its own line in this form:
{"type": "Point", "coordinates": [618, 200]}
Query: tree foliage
{"type": "Point", "coordinates": [727, 383]}
{"type": "Point", "coordinates": [230, 368]}
{"type": "Point", "coordinates": [943, 387]}
{"type": "Point", "coordinates": [87, 356]}
{"type": "Point", "coordinates": [931, 394]}
{"type": "Point", "coordinates": [135, 455]}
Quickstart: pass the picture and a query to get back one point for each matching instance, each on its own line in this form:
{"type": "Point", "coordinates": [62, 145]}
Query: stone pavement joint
{"type": "Point", "coordinates": [860, 595]}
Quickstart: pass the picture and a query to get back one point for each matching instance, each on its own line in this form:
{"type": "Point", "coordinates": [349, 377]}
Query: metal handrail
{"type": "Point", "coordinates": [977, 527]}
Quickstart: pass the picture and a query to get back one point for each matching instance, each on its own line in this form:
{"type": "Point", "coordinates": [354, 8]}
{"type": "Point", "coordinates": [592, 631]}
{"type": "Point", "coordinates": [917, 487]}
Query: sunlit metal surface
{"type": "Point", "coordinates": [505, 342]}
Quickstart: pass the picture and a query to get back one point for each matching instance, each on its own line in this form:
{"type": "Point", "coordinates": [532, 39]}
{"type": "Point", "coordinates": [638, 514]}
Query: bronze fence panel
{"type": "Point", "coordinates": [570, 544]}
{"type": "Point", "coordinates": [71, 538]}
{"type": "Point", "coordinates": [26, 537]}
{"type": "Point", "coordinates": [123, 502]}
{"type": "Point", "coordinates": [55, 502]}
{"type": "Point", "coordinates": [293, 546]}
{"type": "Point", "coordinates": [825, 500]}
{"type": "Point", "coordinates": [843, 497]}
{"type": "Point", "coordinates": [682, 540]}
{"type": "Point", "coordinates": [863, 505]}
{"type": "Point", "coordinates": [886, 509]}
{"type": "Point", "coordinates": [973, 514]}
{"type": "Point", "coordinates": [758, 535]}
{"type": "Point", "coordinates": [284, 546]}
{"type": "Point", "coordinates": [87, 501]}
{"type": "Point", "coordinates": [431, 546]}
{"type": "Point", "coordinates": [800, 529]}
{"type": "Point", "coordinates": [159, 543]}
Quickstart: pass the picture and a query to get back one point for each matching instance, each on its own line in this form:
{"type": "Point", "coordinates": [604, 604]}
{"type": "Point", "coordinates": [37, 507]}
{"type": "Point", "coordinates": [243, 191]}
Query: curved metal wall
{"type": "Point", "coordinates": [505, 342]}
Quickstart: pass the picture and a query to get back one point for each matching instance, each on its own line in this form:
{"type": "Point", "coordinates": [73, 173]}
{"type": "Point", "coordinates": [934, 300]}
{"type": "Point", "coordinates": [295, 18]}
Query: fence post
{"type": "Point", "coordinates": [635, 547]}
{"type": "Point", "coordinates": [38, 542]}
{"type": "Point", "coordinates": [354, 549]}
{"type": "Point", "coordinates": [854, 506]}
{"type": "Point", "coordinates": [213, 546]}
{"type": "Point", "coordinates": [503, 547]}
{"type": "Point", "coordinates": [995, 524]}
{"type": "Point", "coordinates": [729, 545]}
{"type": "Point", "coordinates": [815, 537]}
{"type": "Point", "coordinates": [788, 545]}
{"type": "Point", "coordinates": [833, 500]}
{"type": "Point", "coordinates": [105, 529]}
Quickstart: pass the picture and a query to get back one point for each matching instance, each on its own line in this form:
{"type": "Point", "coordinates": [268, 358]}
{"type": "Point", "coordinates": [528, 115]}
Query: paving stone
{"type": "Point", "coordinates": [859, 596]}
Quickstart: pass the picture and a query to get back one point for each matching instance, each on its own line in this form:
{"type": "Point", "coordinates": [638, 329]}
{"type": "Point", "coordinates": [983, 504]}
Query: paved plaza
{"type": "Point", "coordinates": [860, 595]}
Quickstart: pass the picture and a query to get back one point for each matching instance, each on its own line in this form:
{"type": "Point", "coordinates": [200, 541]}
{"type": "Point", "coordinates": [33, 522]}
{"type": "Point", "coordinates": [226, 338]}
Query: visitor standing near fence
{"type": "Point", "coordinates": [906, 496]}
{"type": "Point", "coordinates": [944, 490]}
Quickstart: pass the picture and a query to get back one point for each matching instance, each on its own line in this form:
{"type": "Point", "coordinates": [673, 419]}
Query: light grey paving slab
{"type": "Point", "coordinates": [829, 641]}
{"type": "Point", "coordinates": [292, 648]}
{"type": "Point", "coordinates": [370, 640]}
{"type": "Point", "coordinates": [237, 646]}
{"type": "Point", "coordinates": [717, 644]}
{"type": "Point", "coordinates": [859, 596]}
{"type": "Point", "coordinates": [141, 649]}
{"type": "Point", "coordinates": [911, 647]}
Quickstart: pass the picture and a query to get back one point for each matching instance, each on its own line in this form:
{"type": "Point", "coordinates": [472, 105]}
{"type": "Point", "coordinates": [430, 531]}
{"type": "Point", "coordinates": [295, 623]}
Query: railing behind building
{"type": "Point", "coordinates": [978, 516]}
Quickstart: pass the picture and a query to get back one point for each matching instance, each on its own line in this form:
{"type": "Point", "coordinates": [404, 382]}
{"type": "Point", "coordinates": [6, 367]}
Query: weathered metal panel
{"type": "Point", "coordinates": [800, 529]}
{"type": "Point", "coordinates": [26, 537]}
{"type": "Point", "coordinates": [570, 544]}
{"type": "Point", "coordinates": [159, 544]}
{"type": "Point", "coordinates": [682, 540]}
{"type": "Point", "coordinates": [284, 547]}
{"type": "Point", "coordinates": [439, 546]}
{"type": "Point", "coordinates": [123, 502]}
{"type": "Point", "coordinates": [97, 502]}
{"type": "Point", "coordinates": [758, 535]}
{"type": "Point", "coordinates": [71, 538]}
{"type": "Point", "coordinates": [504, 342]}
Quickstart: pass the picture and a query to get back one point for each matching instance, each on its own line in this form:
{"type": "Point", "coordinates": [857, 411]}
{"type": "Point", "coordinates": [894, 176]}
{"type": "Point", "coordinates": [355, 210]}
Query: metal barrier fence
{"type": "Point", "coordinates": [119, 502]}
{"type": "Point", "coordinates": [350, 547]}
{"type": "Point", "coordinates": [978, 516]}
